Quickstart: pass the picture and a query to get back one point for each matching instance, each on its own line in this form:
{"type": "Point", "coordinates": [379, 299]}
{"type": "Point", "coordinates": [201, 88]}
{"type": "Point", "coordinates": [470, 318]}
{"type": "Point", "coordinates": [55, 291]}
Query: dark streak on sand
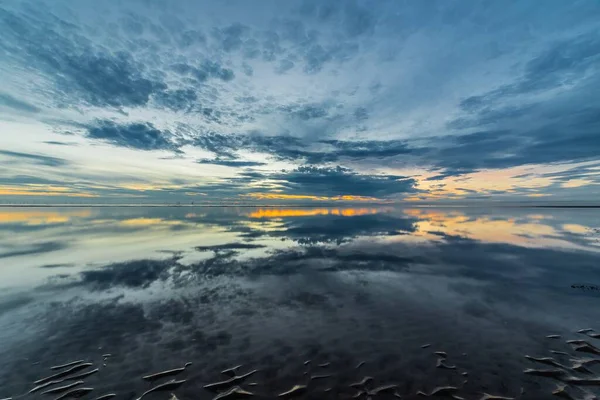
{"type": "Point", "coordinates": [317, 377]}
{"type": "Point", "coordinates": [164, 374]}
{"type": "Point", "coordinates": [234, 393]}
{"type": "Point", "coordinates": [582, 381]}
{"type": "Point", "coordinates": [364, 382]}
{"type": "Point", "coordinates": [64, 373]}
{"type": "Point", "coordinates": [82, 375]}
{"type": "Point", "coordinates": [587, 348]}
{"type": "Point", "coordinates": [173, 384]}
{"type": "Point", "coordinates": [40, 387]}
{"type": "Point", "coordinates": [61, 389]}
{"type": "Point", "coordinates": [553, 373]}
{"type": "Point", "coordinates": [545, 360]}
{"type": "Point", "coordinates": [231, 371]}
{"type": "Point", "coordinates": [225, 384]}
{"type": "Point", "coordinates": [76, 393]}
{"type": "Point", "coordinates": [441, 391]}
{"type": "Point", "coordinates": [441, 363]}
{"type": "Point", "coordinates": [487, 396]}
{"type": "Point", "coordinates": [67, 365]}
{"type": "Point", "coordinates": [297, 390]}
{"type": "Point", "coordinates": [382, 389]}
{"type": "Point", "coordinates": [106, 396]}
{"type": "Point", "coordinates": [586, 330]}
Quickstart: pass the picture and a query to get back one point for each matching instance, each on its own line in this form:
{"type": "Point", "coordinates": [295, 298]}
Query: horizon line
{"type": "Point", "coordinates": [508, 204]}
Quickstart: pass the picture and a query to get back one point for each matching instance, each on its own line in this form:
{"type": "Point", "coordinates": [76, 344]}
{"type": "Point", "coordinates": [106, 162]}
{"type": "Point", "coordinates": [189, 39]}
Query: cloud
{"type": "Point", "coordinates": [133, 274]}
{"type": "Point", "coordinates": [342, 181]}
{"type": "Point", "coordinates": [290, 148]}
{"type": "Point", "coordinates": [34, 158]}
{"type": "Point", "coordinates": [230, 246]}
{"type": "Point", "coordinates": [548, 114]}
{"type": "Point", "coordinates": [231, 163]}
{"type": "Point", "coordinates": [591, 171]}
{"type": "Point", "coordinates": [30, 249]}
{"type": "Point", "coordinates": [52, 266]}
{"type": "Point", "coordinates": [206, 70]}
{"type": "Point", "coordinates": [230, 37]}
{"type": "Point", "coordinates": [16, 104]}
{"type": "Point", "coordinates": [59, 143]}
{"type": "Point", "coordinates": [339, 229]}
{"type": "Point", "coordinates": [370, 148]}
{"type": "Point", "coordinates": [141, 136]}
{"type": "Point", "coordinates": [79, 68]}
{"type": "Point", "coordinates": [177, 100]}
{"type": "Point", "coordinates": [225, 146]}
{"type": "Point", "coordinates": [449, 172]}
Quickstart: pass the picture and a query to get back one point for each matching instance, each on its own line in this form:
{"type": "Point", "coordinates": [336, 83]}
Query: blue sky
{"type": "Point", "coordinates": [237, 101]}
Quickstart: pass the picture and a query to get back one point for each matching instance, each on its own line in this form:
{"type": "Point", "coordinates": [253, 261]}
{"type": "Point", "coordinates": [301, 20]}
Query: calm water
{"type": "Point", "coordinates": [272, 288]}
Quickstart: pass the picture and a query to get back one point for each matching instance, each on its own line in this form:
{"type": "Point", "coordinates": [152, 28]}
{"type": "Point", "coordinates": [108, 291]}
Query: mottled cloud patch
{"type": "Point", "coordinates": [340, 181]}
{"type": "Point", "coordinates": [206, 70]}
{"type": "Point", "coordinates": [290, 148]}
{"type": "Point", "coordinates": [177, 100]}
{"type": "Point", "coordinates": [526, 121]}
{"type": "Point", "coordinates": [140, 136]}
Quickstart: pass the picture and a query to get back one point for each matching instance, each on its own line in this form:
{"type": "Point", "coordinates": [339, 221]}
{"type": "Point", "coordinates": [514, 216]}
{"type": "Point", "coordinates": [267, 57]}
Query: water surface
{"type": "Point", "coordinates": [271, 288]}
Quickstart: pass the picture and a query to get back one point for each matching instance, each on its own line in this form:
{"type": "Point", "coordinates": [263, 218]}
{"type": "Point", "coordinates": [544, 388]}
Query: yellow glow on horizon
{"type": "Point", "coordinates": [539, 195]}
{"type": "Point", "coordinates": [42, 190]}
{"type": "Point", "coordinates": [41, 217]}
{"type": "Point", "coordinates": [142, 187]}
{"type": "Point", "coordinates": [492, 182]}
{"type": "Point", "coordinates": [531, 232]}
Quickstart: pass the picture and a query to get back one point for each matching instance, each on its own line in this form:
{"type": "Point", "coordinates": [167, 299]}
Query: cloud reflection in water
{"type": "Point", "coordinates": [266, 286]}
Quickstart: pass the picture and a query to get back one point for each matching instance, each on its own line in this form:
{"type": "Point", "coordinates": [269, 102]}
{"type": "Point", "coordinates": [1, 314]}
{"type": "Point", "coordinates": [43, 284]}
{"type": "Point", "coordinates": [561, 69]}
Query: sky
{"type": "Point", "coordinates": [233, 102]}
